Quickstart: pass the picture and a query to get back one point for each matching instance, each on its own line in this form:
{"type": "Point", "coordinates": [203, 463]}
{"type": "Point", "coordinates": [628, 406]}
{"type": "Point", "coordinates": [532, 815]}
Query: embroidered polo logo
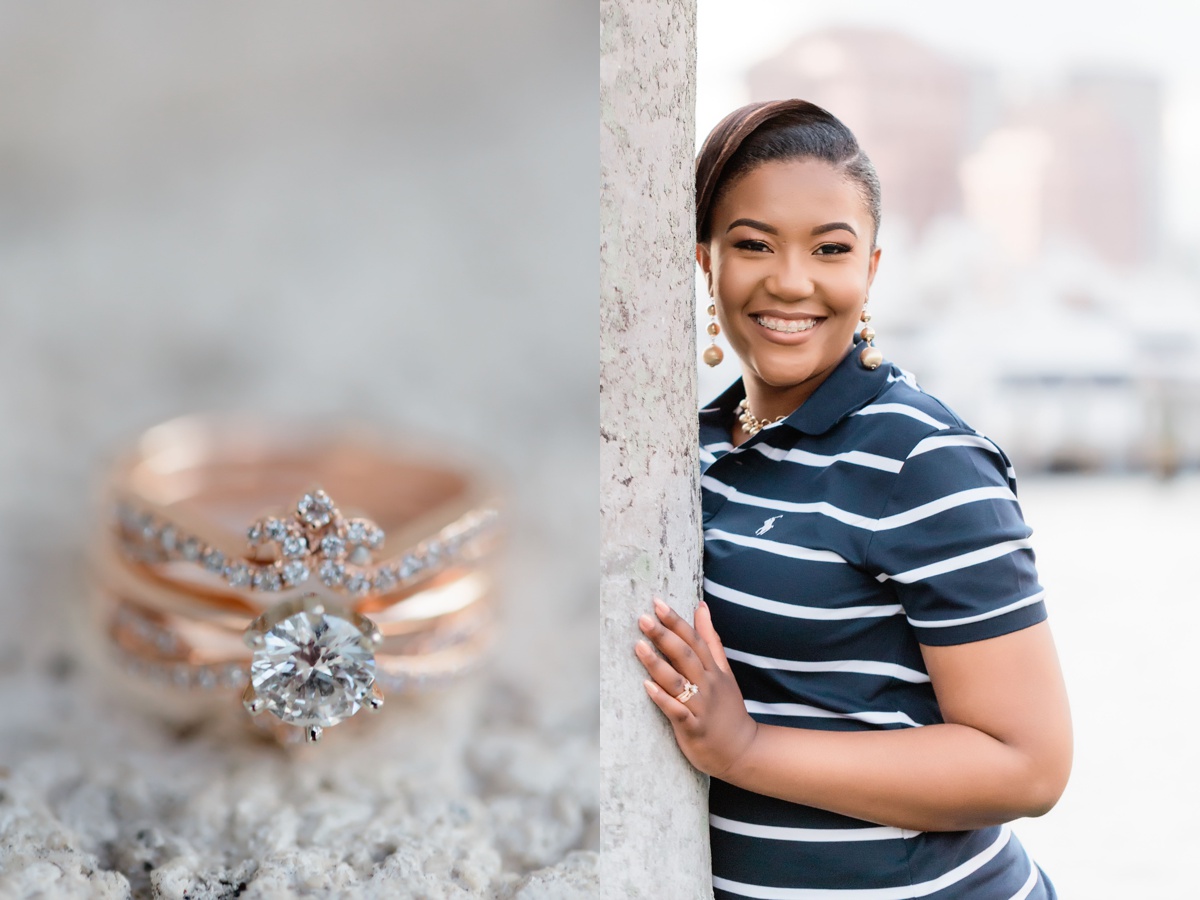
{"type": "Point", "coordinates": [768, 525]}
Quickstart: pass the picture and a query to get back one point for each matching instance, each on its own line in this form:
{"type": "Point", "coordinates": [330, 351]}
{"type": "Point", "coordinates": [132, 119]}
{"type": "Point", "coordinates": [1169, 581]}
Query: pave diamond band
{"type": "Point", "coordinates": [167, 651]}
{"type": "Point", "coordinates": [311, 611]}
{"type": "Point", "coordinates": [335, 558]}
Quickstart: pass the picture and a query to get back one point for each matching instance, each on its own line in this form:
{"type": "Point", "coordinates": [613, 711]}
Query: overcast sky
{"type": "Point", "coordinates": [1031, 44]}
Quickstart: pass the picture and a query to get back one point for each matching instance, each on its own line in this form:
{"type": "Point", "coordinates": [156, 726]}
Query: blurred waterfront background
{"type": "Point", "coordinates": [1041, 207]}
{"type": "Point", "coordinates": [1041, 275]}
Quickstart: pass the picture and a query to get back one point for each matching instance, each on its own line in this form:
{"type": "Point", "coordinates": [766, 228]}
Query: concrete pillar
{"type": "Point", "coordinates": [652, 807]}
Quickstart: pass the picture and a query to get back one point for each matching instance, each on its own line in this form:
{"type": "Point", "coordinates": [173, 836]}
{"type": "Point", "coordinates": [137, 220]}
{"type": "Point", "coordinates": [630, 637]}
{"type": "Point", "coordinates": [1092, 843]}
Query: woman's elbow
{"type": "Point", "coordinates": [1045, 785]}
{"type": "Point", "coordinates": [1045, 795]}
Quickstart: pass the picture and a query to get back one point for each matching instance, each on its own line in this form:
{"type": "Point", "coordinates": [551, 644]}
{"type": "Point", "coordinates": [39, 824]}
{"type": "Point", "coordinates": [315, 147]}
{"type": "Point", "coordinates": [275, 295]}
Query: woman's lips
{"type": "Point", "coordinates": [786, 331]}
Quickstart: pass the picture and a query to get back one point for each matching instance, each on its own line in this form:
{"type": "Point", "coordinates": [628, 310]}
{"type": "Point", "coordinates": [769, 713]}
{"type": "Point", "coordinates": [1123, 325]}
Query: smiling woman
{"type": "Point", "coordinates": [789, 280]}
{"type": "Point", "coordinates": [870, 680]}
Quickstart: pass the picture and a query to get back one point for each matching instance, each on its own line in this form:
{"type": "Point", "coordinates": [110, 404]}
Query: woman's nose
{"type": "Point", "coordinates": [791, 278]}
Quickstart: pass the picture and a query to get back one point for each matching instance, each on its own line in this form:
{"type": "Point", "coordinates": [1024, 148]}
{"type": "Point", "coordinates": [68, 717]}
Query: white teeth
{"type": "Point", "coordinates": [787, 326]}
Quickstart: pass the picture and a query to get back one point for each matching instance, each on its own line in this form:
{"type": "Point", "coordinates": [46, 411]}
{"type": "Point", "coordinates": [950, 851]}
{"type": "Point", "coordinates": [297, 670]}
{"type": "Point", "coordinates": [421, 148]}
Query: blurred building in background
{"type": "Point", "coordinates": [911, 106]}
{"type": "Point", "coordinates": [1025, 278]}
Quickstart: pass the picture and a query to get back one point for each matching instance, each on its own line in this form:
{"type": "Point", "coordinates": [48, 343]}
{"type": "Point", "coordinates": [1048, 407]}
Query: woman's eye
{"type": "Point", "coordinates": [758, 246]}
{"type": "Point", "coordinates": [831, 249]}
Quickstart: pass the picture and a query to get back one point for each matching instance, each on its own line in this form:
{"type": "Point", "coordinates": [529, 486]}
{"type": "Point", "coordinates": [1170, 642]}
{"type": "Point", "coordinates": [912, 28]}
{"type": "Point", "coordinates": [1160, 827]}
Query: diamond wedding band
{"type": "Point", "coordinates": [227, 562]}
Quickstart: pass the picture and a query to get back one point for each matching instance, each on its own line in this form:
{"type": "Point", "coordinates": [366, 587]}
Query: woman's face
{"type": "Point", "coordinates": [789, 264]}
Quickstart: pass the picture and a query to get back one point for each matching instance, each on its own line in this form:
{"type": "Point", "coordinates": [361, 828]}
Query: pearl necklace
{"type": "Point", "coordinates": [750, 424]}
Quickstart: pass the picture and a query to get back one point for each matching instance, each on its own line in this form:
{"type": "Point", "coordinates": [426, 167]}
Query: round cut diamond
{"type": "Point", "coordinates": [237, 574]}
{"type": "Point", "coordinates": [149, 529]}
{"type": "Point", "coordinates": [214, 560]}
{"type": "Point", "coordinates": [385, 580]}
{"type": "Point", "coordinates": [332, 572]}
{"type": "Point", "coordinates": [333, 546]}
{"type": "Point", "coordinates": [275, 530]}
{"type": "Point", "coordinates": [267, 579]}
{"type": "Point", "coordinates": [363, 533]}
{"type": "Point", "coordinates": [295, 572]}
{"type": "Point", "coordinates": [294, 546]}
{"type": "Point", "coordinates": [410, 566]}
{"type": "Point", "coordinates": [313, 668]}
{"type": "Point", "coordinates": [316, 509]}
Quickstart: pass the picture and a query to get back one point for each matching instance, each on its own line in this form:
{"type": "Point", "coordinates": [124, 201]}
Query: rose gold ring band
{"type": "Point", "coordinates": [223, 561]}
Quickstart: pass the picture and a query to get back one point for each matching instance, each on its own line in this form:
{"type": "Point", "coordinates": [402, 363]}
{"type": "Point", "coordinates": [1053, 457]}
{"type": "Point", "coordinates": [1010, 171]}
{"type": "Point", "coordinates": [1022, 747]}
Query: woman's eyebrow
{"type": "Point", "coordinates": [771, 229]}
{"type": "Point", "coordinates": [753, 223]}
{"type": "Point", "coordinates": [833, 226]}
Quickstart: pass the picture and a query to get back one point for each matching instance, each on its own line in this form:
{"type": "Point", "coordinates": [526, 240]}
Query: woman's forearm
{"type": "Point", "coordinates": [935, 778]}
{"type": "Point", "coordinates": [1002, 752]}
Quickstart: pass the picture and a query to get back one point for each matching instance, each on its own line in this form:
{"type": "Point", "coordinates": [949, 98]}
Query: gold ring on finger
{"type": "Point", "coordinates": [689, 691]}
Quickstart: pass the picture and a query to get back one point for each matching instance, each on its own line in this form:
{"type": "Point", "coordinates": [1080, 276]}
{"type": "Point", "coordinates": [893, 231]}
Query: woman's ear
{"type": "Point", "coordinates": [873, 265]}
{"type": "Point", "coordinates": [704, 258]}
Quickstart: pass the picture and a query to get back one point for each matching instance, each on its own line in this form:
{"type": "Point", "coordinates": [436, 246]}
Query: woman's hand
{"type": "Point", "coordinates": [712, 728]}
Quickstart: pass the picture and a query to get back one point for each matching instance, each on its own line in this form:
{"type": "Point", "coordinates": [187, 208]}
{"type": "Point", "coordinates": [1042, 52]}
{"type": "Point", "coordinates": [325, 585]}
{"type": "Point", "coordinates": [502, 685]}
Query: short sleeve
{"type": "Point", "coordinates": [953, 545]}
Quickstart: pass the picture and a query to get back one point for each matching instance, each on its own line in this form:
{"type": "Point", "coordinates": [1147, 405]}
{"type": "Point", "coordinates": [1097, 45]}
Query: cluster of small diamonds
{"type": "Point", "coordinates": [315, 538]}
{"type": "Point", "coordinates": [314, 542]}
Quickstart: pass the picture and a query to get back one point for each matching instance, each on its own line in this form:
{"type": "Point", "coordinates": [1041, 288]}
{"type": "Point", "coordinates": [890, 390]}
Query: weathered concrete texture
{"type": "Point", "coordinates": [280, 209]}
{"type": "Point", "coordinates": [652, 806]}
{"type": "Point", "coordinates": [469, 793]}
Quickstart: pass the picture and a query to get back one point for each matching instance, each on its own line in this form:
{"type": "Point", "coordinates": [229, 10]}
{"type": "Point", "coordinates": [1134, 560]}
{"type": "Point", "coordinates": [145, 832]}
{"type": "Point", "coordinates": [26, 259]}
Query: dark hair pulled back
{"type": "Point", "coordinates": [778, 130]}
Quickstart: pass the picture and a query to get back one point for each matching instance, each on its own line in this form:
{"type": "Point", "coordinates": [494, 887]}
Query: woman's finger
{"type": "Point", "coordinates": [704, 627]}
{"type": "Point", "coordinates": [660, 670]}
{"type": "Point", "coordinates": [677, 712]}
{"type": "Point", "coordinates": [672, 646]}
{"type": "Point", "coordinates": [686, 632]}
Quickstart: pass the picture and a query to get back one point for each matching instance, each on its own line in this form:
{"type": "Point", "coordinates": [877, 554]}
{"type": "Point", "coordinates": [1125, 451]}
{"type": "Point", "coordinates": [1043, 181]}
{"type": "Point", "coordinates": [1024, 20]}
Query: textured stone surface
{"type": "Point", "coordinates": [209, 206]}
{"type": "Point", "coordinates": [651, 797]}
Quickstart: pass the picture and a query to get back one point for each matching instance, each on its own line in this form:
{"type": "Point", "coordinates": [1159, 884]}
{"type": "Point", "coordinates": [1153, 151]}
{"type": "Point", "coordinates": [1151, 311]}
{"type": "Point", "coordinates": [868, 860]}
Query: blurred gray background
{"type": "Point", "coordinates": [378, 210]}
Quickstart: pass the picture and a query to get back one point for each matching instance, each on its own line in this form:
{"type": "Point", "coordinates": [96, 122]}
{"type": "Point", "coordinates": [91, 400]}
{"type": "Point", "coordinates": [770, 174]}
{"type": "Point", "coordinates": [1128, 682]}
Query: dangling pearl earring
{"type": "Point", "coordinates": [712, 353]}
{"type": "Point", "coordinates": [870, 357]}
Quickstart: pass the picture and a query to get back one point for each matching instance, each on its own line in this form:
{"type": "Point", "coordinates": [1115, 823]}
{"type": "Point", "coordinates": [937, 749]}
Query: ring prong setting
{"type": "Point", "coordinates": [254, 704]}
{"type": "Point", "coordinates": [375, 701]}
{"type": "Point", "coordinates": [313, 733]}
{"type": "Point", "coordinates": [302, 694]}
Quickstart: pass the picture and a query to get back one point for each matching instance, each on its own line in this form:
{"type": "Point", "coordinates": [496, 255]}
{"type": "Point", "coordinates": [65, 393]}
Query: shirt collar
{"type": "Point", "coordinates": [849, 387]}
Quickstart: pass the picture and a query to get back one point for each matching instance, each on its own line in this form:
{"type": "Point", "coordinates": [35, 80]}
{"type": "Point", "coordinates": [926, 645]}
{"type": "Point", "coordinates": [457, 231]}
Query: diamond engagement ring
{"type": "Point", "coordinates": [310, 609]}
{"type": "Point", "coordinates": [307, 661]}
{"type": "Point", "coordinates": [689, 691]}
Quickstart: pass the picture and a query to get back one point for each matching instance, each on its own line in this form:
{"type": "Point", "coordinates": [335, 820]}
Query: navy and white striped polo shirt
{"type": "Point", "coordinates": [869, 521]}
